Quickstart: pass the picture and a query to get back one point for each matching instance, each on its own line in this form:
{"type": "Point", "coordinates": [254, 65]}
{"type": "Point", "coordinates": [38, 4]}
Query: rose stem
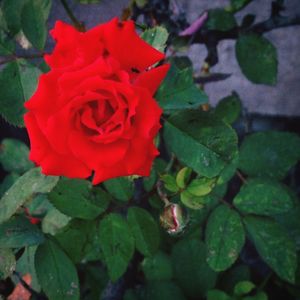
{"type": "Point", "coordinates": [79, 25]}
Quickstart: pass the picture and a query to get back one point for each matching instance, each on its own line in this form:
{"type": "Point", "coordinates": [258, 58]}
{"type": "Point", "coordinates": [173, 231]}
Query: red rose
{"type": "Point", "coordinates": [95, 111]}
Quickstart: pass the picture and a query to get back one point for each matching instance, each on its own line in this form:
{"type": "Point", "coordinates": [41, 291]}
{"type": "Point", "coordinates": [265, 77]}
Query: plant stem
{"type": "Point", "coordinates": [240, 175]}
{"type": "Point", "coordinates": [79, 25]}
{"type": "Point", "coordinates": [10, 58]}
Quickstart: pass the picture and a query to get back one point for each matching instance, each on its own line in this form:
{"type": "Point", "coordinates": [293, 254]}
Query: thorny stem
{"type": "Point", "coordinates": [79, 25]}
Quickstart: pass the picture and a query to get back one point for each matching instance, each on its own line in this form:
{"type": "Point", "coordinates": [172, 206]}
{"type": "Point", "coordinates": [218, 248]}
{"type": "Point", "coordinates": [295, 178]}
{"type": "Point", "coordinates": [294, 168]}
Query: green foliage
{"type": "Point", "coordinates": [236, 5]}
{"type": "Point", "coordinates": [56, 273]}
{"type": "Point", "coordinates": [19, 232]}
{"type": "Point", "coordinates": [178, 91]}
{"type": "Point", "coordinates": [144, 229]}
{"type": "Point", "coordinates": [208, 193]}
{"type": "Point", "coordinates": [274, 246]}
{"type": "Point", "coordinates": [29, 184]}
{"type": "Point", "coordinates": [201, 141]}
{"type": "Point", "coordinates": [191, 270]}
{"type": "Point", "coordinates": [269, 153]}
{"type": "Point", "coordinates": [225, 238]}
{"type": "Point", "coordinates": [263, 197]}
{"type": "Point", "coordinates": [7, 263]}
{"type": "Point", "coordinates": [54, 220]}
{"type": "Point", "coordinates": [229, 108]}
{"type": "Point", "coordinates": [79, 240]}
{"type": "Point", "coordinates": [11, 12]}
{"type": "Point", "coordinates": [156, 37]}
{"type": "Point", "coordinates": [220, 19]}
{"type": "Point", "coordinates": [120, 188]}
{"type": "Point", "coordinates": [23, 77]}
{"type": "Point", "coordinates": [257, 58]}
{"type": "Point", "coordinates": [117, 244]}
{"type": "Point", "coordinates": [14, 156]}
{"type": "Point", "coordinates": [158, 267]}
{"type": "Point", "coordinates": [33, 20]}
{"type": "Point", "coordinates": [90, 202]}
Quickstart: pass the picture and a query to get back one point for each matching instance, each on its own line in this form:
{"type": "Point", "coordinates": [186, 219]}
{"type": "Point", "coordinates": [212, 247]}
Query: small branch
{"type": "Point", "coordinates": [79, 25]}
{"type": "Point", "coordinates": [162, 195]}
{"type": "Point", "coordinates": [10, 58]}
{"type": "Point", "coordinates": [242, 178]}
{"type": "Point", "coordinates": [211, 38]}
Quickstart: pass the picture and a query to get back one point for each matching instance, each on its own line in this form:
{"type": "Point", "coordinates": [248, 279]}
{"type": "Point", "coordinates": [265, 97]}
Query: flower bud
{"type": "Point", "coordinates": [174, 218]}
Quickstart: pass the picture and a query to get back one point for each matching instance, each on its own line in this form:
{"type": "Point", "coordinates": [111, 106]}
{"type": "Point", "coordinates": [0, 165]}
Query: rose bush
{"type": "Point", "coordinates": [94, 110]}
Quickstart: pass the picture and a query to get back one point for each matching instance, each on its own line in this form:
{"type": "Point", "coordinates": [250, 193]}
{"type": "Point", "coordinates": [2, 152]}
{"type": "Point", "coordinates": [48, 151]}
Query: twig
{"type": "Point", "coordinates": [79, 25]}
{"type": "Point", "coordinates": [10, 58]}
{"type": "Point", "coordinates": [211, 38]}
{"type": "Point", "coordinates": [162, 195]}
{"type": "Point", "coordinates": [240, 175]}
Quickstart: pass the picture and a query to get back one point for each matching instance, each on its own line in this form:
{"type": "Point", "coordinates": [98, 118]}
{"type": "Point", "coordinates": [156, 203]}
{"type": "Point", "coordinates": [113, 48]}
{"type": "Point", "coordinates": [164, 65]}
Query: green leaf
{"type": "Point", "coordinates": [257, 58]}
{"type": "Point", "coordinates": [178, 91]}
{"type": "Point", "coordinates": [79, 199]}
{"type": "Point", "coordinates": [200, 141]}
{"type": "Point", "coordinates": [183, 176]}
{"type": "Point", "coordinates": [117, 244]}
{"type": "Point", "coordinates": [236, 5]}
{"type": "Point", "coordinates": [270, 153]}
{"type": "Point", "coordinates": [229, 171]}
{"type": "Point", "coordinates": [19, 232]}
{"type": "Point", "coordinates": [220, 19]}
{"type": "Point", "coordinates": [156, 37]}
{"type": "Point", "coordinates": [75, 237]}
{"type": "Point", "coordinates": [263, 197]}
{"type": "Point", "coordinates": [291, 222]}
{"type": "Point", "coordinates": [243, 288]}
{"type": "Point", "coordinates": [158, 267]}
{"type": "Point", "coordinates": [25, 265]}
{"type": "Point", "coordinates": [229, 108]}
{"type": "Point", "coordinates": [56, 273]}
{"type": "Point", "coordinates": [7, 46]}
{"type": "Point", "coordinates": [14, 156]}
{"type": "Point", "coordinates": [11, 12]}
{"type": "Point", "coordinates": [120, 188]}
{"type": "Point", "coordinates": [217, 295]}
{"type": "Point", "coordinates": [7, 182]}
{"type": "Point", "coordinates": [7, 263]}
{"type": "Point", "coordinates": [201, 186]}
{"type": "Point", "coordinates": [23, 77]}
{"type": "Point", "coordinates": [273, 245]}
{"type": "Point", "coordinates": [191, 270]}
{"type": "Point", "coordinates": [170, 183]}
{"type": "Point", "coordinates": [225, 238]}
{"type": "Point", "coordinates": [33, 22]}
{"type": "Point", "coordinates": [144, 229]}
{"type": "Point", "coordinates": [32, 182]}
{"type": "Point", "coordinates": [191, 201]}
{"type": "Point", "coordinates": [158, 290]}
{"type": "Point", "coordinates": [53, 221]}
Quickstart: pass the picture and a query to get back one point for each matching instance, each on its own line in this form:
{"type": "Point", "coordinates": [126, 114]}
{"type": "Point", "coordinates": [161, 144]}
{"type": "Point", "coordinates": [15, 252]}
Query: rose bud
{"type": "Point", "coordinates": [94, 111]}
{"type": "Point", "coordinates": [173, 218]}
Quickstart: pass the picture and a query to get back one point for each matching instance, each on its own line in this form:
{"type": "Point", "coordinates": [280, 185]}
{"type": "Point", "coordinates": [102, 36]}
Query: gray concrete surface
{"type": "Point", "coordinates": [283, 99]}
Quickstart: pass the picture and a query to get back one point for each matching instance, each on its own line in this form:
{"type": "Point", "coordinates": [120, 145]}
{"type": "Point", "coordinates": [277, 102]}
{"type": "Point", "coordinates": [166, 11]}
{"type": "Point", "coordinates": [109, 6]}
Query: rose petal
{"type": "Point", "coordinates": [51, 162]}
{"type": "Point", "coordinates": [152, 79]}
{"type": "Point", "coordinates": [125, 45]}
